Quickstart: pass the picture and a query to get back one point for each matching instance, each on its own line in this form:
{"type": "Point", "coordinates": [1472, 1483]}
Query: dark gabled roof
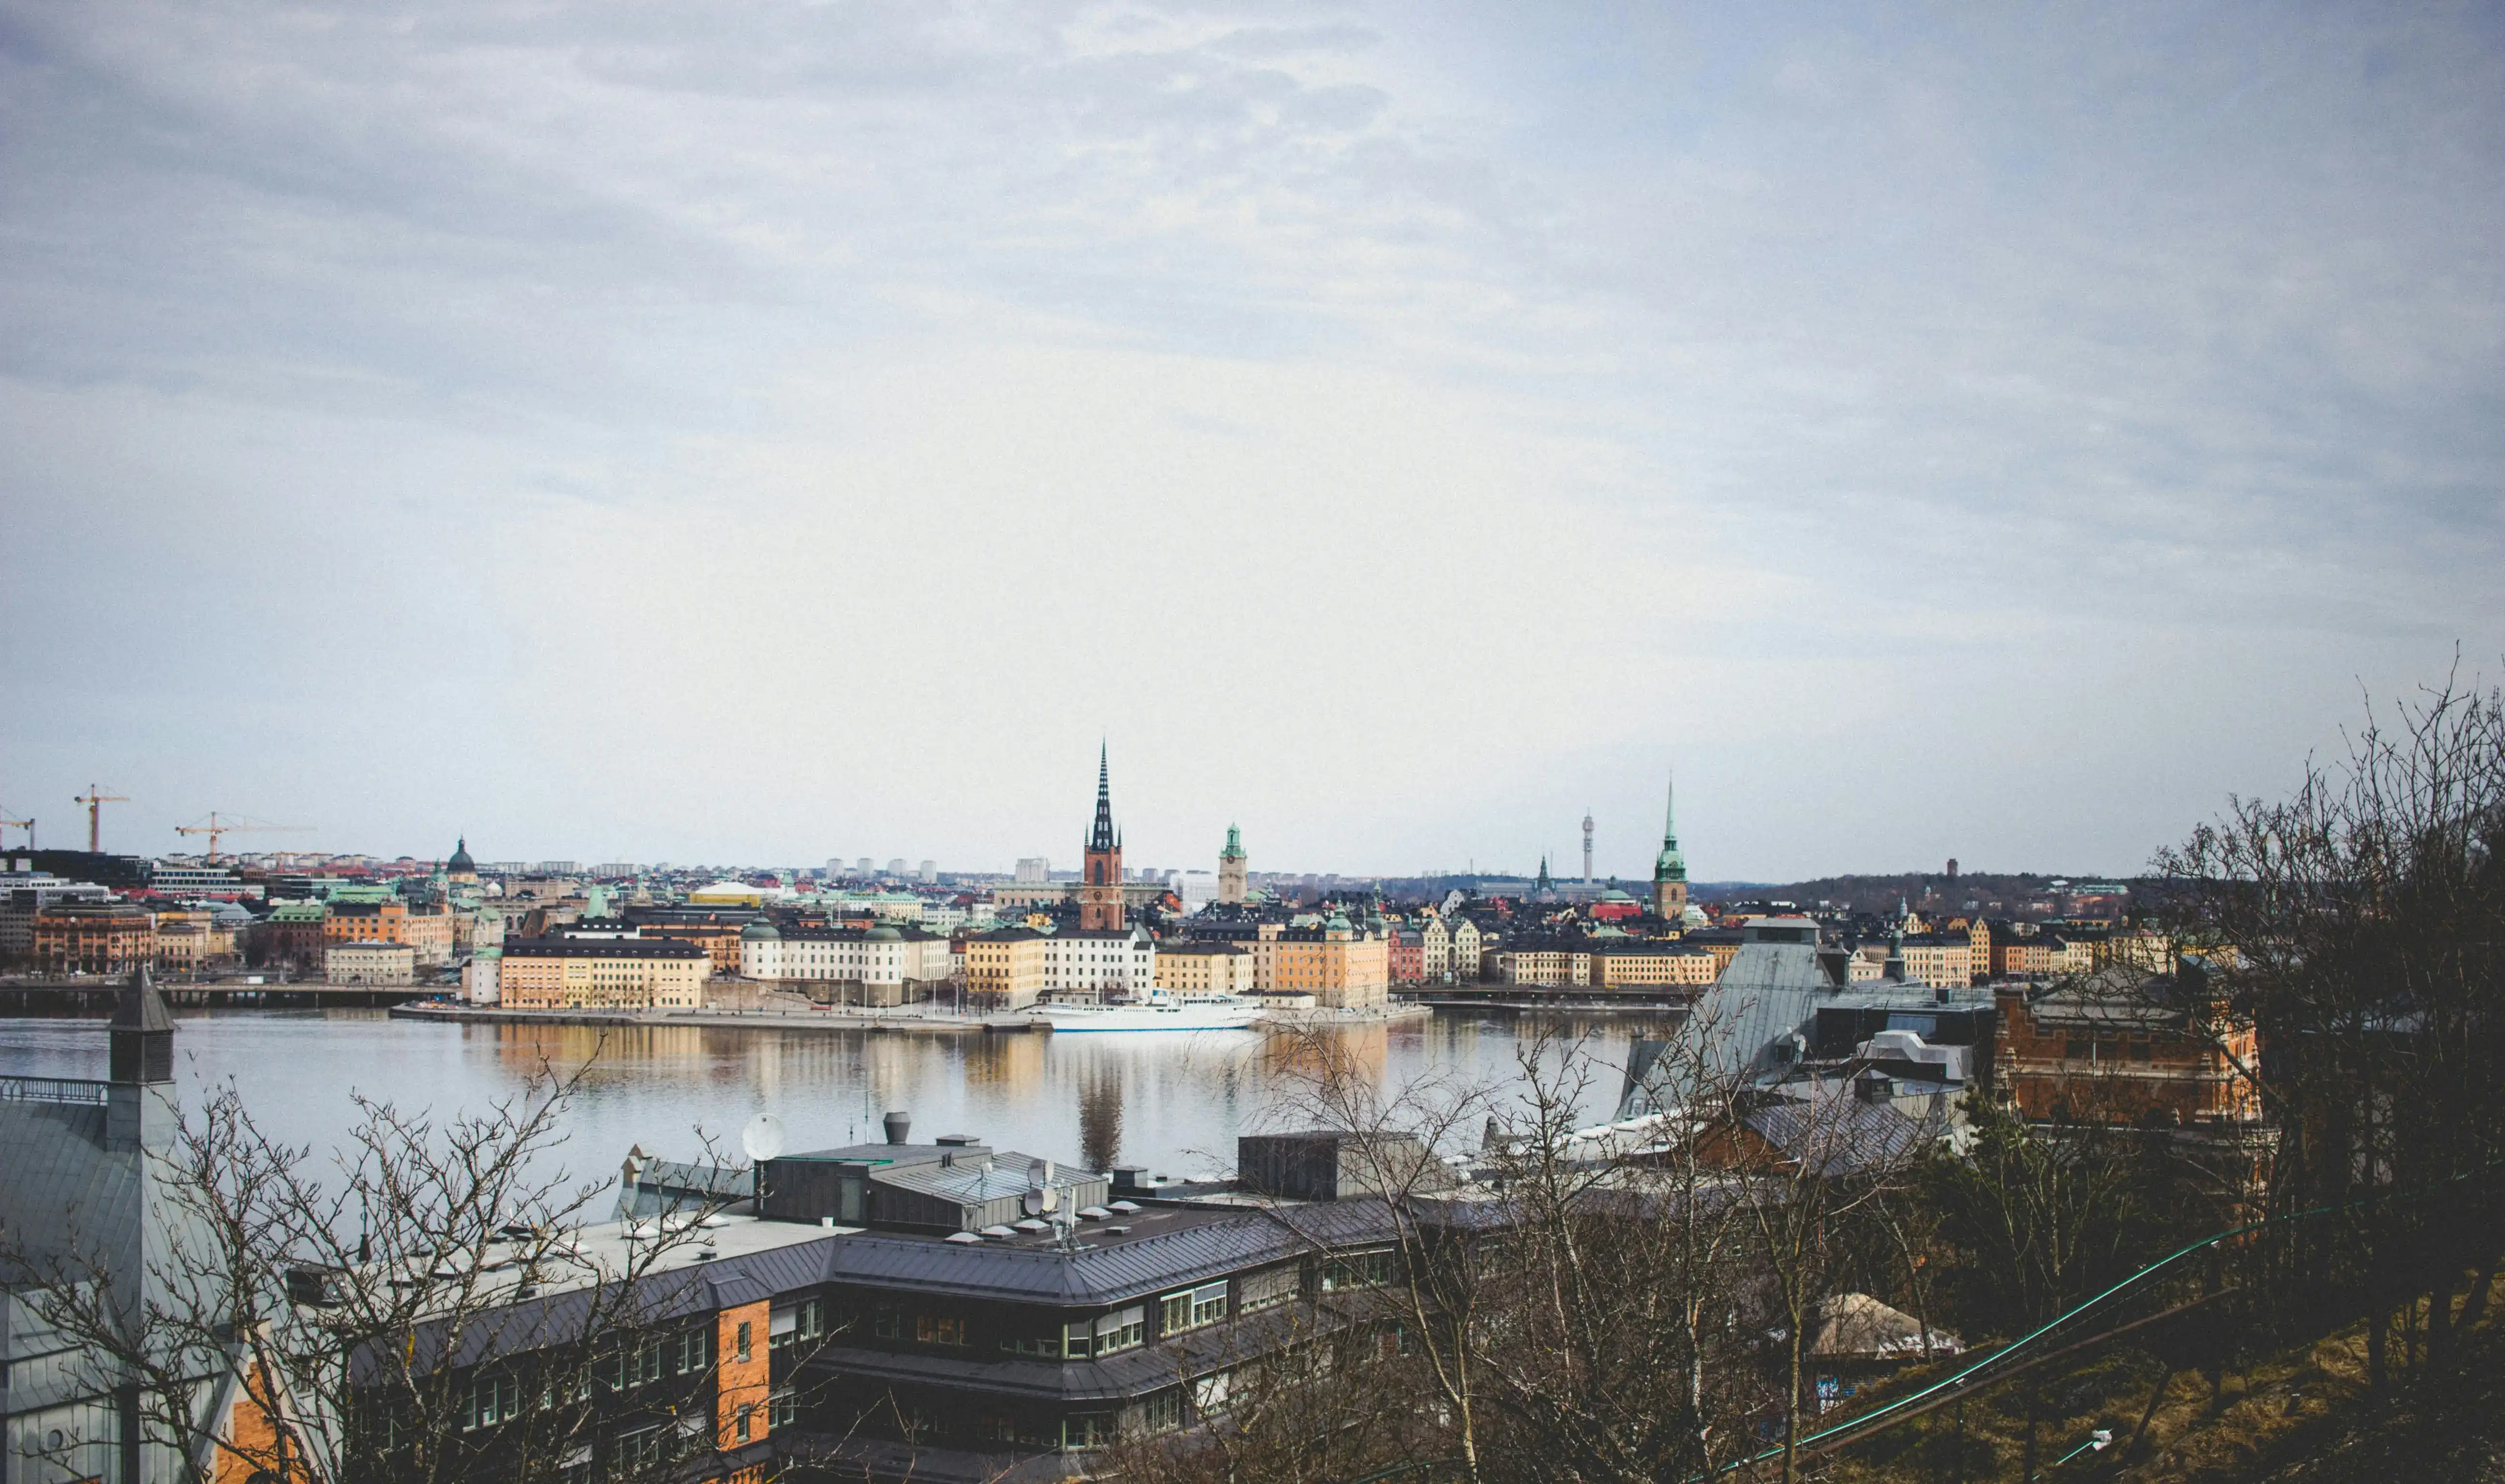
{"type": "Point", "coordinates": [602, 948]}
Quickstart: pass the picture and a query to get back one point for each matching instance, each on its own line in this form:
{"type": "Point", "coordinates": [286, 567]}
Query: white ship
{"type": "Point", "coordinates": [1160, 1011]}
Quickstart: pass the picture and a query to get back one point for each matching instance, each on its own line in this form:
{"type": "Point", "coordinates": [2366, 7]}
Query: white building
{"type": "Point", "coordinates": [483, 978]}
{"type": "Point", "coordinates": [1034, 870]}
{"type": "Point", "coordinates": [1114, 964]}
{"type": "Point", "coordinates": [879, 957]}
{"type": "Point", "coordinates": [388, 965]}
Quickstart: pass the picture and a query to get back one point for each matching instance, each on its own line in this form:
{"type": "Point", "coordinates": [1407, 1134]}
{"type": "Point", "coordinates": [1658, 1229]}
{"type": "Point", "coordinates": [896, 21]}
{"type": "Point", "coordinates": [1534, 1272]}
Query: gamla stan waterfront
{"type": "Point", "coordinates": [1172, 1103]}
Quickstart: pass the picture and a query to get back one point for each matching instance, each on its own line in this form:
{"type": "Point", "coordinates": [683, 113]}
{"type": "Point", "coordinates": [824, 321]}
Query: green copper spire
{"type": "Point", "coordinates": [1669, 865]}
{"type": "Point", "coordinates": [1234, 844]}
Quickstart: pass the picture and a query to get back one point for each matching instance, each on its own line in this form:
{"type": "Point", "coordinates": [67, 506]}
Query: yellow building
{"type": "Point", "coordinates": [1340, 967]}
{"type": "Point", "coordinates": [1945, 960]}
{"type": "Point", "coordinates": [1004, 968]}
{"type": "Point", "coordinates": [603, 974]}
{"type": "Point", "coordinates": [189, 939]}
{"type": "Point", "coordinates": [1205, 968]}
{"type": "Point", "coordinates": [727, 893]}
{"type": "Point", "coordinates": [1656, 967]}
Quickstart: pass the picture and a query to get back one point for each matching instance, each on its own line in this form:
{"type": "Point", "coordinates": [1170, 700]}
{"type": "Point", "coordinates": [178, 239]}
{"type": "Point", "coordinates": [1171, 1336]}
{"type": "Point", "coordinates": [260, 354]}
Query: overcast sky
{"type": "Point", "coordinates": [765, 431]}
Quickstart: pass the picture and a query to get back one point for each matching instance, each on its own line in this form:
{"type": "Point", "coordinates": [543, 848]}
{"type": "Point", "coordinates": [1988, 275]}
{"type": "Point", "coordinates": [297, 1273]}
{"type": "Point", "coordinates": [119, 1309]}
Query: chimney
{"type": "Point", "coordinates": [900, 1124]}
{"type": "Point", "coordinates": [1894, 968]}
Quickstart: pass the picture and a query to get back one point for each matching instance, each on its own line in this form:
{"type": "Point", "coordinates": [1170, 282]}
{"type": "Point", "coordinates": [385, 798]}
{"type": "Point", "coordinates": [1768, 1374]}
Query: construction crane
{"type": "Point", "coordinates": [95, 799]}
{"type": "Point", "coordinates": [217, 827]}
{"type": "Point", "coordinates": [28, 825]}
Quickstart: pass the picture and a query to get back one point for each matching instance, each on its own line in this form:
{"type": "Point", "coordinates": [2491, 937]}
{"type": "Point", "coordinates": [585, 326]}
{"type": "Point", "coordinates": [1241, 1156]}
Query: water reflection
{"type": "Point", "coordinates": [1172, 1102]}
{"type": "Point", "coordinates": [1100, 1120]}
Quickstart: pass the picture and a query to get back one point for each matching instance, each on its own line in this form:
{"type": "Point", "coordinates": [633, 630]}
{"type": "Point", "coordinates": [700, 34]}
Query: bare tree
{"type": "Point", "coordinates": [423, 1305]}
{"type": "Point", "coordinates": [2357, 921]}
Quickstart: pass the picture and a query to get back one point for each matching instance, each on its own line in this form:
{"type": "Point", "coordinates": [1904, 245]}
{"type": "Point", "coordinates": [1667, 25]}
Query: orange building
{"type": "Point", "coordinates": [429, 933]}
{"type": "Point", "coordinates": [95, 937]}
{"type": "Point", "coordinates": [1340, 967]}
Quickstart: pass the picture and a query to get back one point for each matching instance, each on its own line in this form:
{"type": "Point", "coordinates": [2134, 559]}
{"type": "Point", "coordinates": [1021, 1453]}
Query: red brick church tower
{"type": "Point", "coordinates": [1100, 888]}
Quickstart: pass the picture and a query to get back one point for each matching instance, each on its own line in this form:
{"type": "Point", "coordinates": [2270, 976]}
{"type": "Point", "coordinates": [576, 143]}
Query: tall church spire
{"type": "Point", "coordinates": [1102, 837]}
{"type": "Point", "coordinates": [1669, 868]}
{"type": "Point", "coordinates": [1100, 885]}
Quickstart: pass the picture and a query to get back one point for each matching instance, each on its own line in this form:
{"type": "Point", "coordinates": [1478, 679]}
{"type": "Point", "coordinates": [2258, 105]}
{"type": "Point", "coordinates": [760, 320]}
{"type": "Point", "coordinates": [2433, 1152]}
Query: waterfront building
{"type": "Point", "coordinates": [880, 965]}
{"type": "Point", "coordinates": [716, 930]}
{"type": "Point", "coordinates": [1203, 967]}
{"type": "Point", "coordinates": [1470, 951]}
{"type": "Point", "coordinates": [193, 938]}
{"type": "Point", "coordinates": [602, 973]}
{"type": "Point", "coordinates": [1100, 881]}
{"type": "Point", "coordinates": [390, 920]}
{"type": "Point", "coordinates": [1004, 968]}
{"type": "Point", "coordinates": [1405, 949]}
{"type": "Point", "coordinates": [1669, 868]}
{"type": "Point", "coordinates": [72, 937]}
{"type": "Point", "coordinates": [1233, 869]}
{"type": "Point", "coordinates": [1435, 948]}
{"type": "Point", "coordinates": [25, 893]}
{"type": "Point", "coordinates": [1624, 966]}
{"type": "Point", "coordinates": [384, 964]}
{"type": "Point", "coordinates": [1342, 967]}
{"type": "Point", "coordinates": [483, 978]}
{"type": "Point", "coordinates": [293, 934]}
{"type": "Point", "coordinates": [1109, 963]}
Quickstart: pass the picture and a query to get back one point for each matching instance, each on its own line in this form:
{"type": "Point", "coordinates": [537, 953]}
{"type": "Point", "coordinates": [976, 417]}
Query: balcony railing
{"type": "Point", "coordinates": [52, 1089]}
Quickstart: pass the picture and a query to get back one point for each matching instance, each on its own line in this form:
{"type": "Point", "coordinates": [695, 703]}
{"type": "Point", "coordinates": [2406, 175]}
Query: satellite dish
{"type": "Point", "coordinates": [762, 1138]}
{"type": "Point", "coordinates": [1032, 1202]}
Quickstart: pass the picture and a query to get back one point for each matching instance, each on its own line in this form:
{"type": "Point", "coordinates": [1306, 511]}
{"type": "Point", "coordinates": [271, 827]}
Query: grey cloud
{"type": "Point", "coordinates": [2189, 320]}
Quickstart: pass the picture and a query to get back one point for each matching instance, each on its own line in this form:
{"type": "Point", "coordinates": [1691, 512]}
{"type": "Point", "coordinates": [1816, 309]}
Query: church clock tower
{"type": "Point", "coordinates": [1669, 868]}
{"type": "Point", "coordinates": [1100, 885]}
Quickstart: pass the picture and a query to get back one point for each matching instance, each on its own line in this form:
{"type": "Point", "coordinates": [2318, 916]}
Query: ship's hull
{"type": "Point", "coordinates": [1151, 1017]}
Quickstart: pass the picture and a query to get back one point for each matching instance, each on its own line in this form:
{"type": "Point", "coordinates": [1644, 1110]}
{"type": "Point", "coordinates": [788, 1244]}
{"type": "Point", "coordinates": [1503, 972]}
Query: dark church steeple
{"type": "Point", "coordinates": [142, 1033]}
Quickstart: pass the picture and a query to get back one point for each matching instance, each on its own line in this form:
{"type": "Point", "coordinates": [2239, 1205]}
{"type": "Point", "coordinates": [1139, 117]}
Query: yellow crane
{"type": "Point", "coordinates": [28, 825]}
{"type": "Point", "coordinates": [95, 799]}
{"type": "Point", "coordinates": [216, 827]}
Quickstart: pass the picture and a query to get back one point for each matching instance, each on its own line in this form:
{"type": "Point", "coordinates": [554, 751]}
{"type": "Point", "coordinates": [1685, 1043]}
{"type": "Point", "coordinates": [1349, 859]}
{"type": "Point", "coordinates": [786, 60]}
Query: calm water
{"type": "Point", "coordinates": [1172, 1103]}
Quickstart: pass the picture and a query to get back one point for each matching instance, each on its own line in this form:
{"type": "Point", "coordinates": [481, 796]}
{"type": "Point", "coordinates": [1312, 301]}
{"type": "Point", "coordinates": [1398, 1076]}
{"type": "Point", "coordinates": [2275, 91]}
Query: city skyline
{"type": "Point", "coordinates": [1400, 428]}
